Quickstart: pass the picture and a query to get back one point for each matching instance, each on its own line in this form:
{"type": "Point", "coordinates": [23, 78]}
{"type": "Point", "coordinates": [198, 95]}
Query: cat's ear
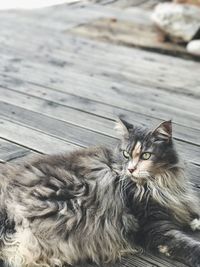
{"type": "Point", "coordinates": [123, 127]}
{"type": "Point", "coordinates": [164, 131]}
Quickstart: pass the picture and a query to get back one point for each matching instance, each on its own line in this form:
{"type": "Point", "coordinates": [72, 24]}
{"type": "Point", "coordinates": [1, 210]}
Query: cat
{"type": "Point", "coordinates": [99, 203]}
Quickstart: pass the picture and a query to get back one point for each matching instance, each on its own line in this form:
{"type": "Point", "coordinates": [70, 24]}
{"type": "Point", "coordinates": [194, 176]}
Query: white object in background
{"type": "Point", "coordinates": [31, 4]}
{"type": "Point", "coordinates": [180, 21]}
{"type": "Point", "coordinates": [193, 47]}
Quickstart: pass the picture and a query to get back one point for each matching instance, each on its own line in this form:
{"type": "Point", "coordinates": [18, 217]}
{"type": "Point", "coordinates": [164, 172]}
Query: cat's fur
{"type": "Point", "coordinates": [87, 205]}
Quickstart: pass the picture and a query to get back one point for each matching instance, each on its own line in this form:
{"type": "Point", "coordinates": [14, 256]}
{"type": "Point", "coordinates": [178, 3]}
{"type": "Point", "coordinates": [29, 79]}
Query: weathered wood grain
{"type": "Point", "coordinates": [135, 63]}
{"type": "Point", "coordinates": [131, 65]}
{"type": "Point", "coordinates": [10, 151]}
{"type": "Point", "coordinates": [71, 65]}
{"type": "Point", "coordinates": [44, 98]}
{"type": "Point", "coordinates": [154, 103]}
{"type": "Point", "coordinates": [62, 130]}
{"type": "Point", "coordinates": [76, 117]}
{"type": "Point", "coordinates": [32, 139]}
{"type": "Point", "coordinates": [58, 109]}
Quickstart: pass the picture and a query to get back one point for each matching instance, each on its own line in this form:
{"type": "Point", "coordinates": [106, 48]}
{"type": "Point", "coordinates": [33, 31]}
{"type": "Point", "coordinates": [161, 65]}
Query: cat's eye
{"type": "Point", "coordinates": [146, 155]}
{"type": "Point", "coordinates": [126, 154]}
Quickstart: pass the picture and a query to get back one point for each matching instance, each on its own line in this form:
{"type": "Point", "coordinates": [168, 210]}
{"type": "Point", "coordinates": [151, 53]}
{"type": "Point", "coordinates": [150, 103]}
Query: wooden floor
{"type": "Point", "coordinates": [67, 72]}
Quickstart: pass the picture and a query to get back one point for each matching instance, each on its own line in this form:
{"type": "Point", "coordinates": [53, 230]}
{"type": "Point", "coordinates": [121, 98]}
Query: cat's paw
{"type": "Point", "coordinates": [195, 224]}
{"type": "Point", "coordinates": [164, 250]}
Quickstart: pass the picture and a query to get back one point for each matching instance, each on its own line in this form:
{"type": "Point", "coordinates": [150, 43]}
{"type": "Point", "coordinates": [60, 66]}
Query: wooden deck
{"type": "Point", "coordinates": [67, 72]}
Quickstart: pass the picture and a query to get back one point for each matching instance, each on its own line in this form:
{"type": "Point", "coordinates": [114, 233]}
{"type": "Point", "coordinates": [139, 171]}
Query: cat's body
{"type": "Point", "coordinates": [67, 208]}
{"type": "Point", "coordinates": [84, 205]}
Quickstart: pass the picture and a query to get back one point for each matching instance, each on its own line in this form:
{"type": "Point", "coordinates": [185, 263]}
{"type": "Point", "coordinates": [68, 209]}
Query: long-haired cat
{"type": "Point", "coordinates": [99, 204]}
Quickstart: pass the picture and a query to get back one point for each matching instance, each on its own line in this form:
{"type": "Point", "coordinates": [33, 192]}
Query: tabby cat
{"type": "Point", "coordinates": [99, 203]}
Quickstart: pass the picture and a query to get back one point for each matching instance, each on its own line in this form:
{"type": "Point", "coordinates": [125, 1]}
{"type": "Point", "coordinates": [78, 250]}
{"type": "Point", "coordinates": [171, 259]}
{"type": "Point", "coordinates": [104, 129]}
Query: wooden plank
{"type": "Point", "coordinates": [188, 152]}
{"type": "Point", "coordinates": [10, 151]}
{"type": "Point", "coordinates": [155, 104]}
{"type": "Point", "coordinates": [47, 106]}
{"type": "Point", "coordinates": [57, 110]}
{"type": "Point", "coordinates": [158, 67]}
{"type": "Point", "coordinates": [137, 60]}
{"type": "Point", "coordinates": [32, 139]}
{"type": "Point", "coordinates": [58, 63]}
{"type": "Point", "coordinates": [74, 66]}
{"type": "Point", "coordinates": [62, 130]}
{"type": "Point", "coordinates": [23, 96]}
{"type": "Point", "coordinates": [67, 101]}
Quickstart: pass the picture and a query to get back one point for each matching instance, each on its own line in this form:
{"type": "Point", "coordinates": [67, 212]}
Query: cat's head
{"type": "Point", "coordinates": [144, 152]}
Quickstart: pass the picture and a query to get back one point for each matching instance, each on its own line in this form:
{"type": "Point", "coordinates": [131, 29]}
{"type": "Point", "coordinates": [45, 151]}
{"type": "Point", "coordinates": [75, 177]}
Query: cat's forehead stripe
{"type": "Point", "coordinates": [137, 150]}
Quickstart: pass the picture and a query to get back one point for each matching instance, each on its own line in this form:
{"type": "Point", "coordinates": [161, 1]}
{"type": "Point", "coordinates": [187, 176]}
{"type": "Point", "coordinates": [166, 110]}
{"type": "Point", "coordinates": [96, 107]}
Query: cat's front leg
{"type": "Point", "coordinates": [168, 239]}
{"type": "Point", "coordinates": [182, 247]}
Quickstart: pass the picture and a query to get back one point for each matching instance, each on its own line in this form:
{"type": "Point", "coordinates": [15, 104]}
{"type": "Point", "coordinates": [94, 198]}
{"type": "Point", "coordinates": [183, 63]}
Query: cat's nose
{"type": "Point", "coordinates": [132, 170]}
